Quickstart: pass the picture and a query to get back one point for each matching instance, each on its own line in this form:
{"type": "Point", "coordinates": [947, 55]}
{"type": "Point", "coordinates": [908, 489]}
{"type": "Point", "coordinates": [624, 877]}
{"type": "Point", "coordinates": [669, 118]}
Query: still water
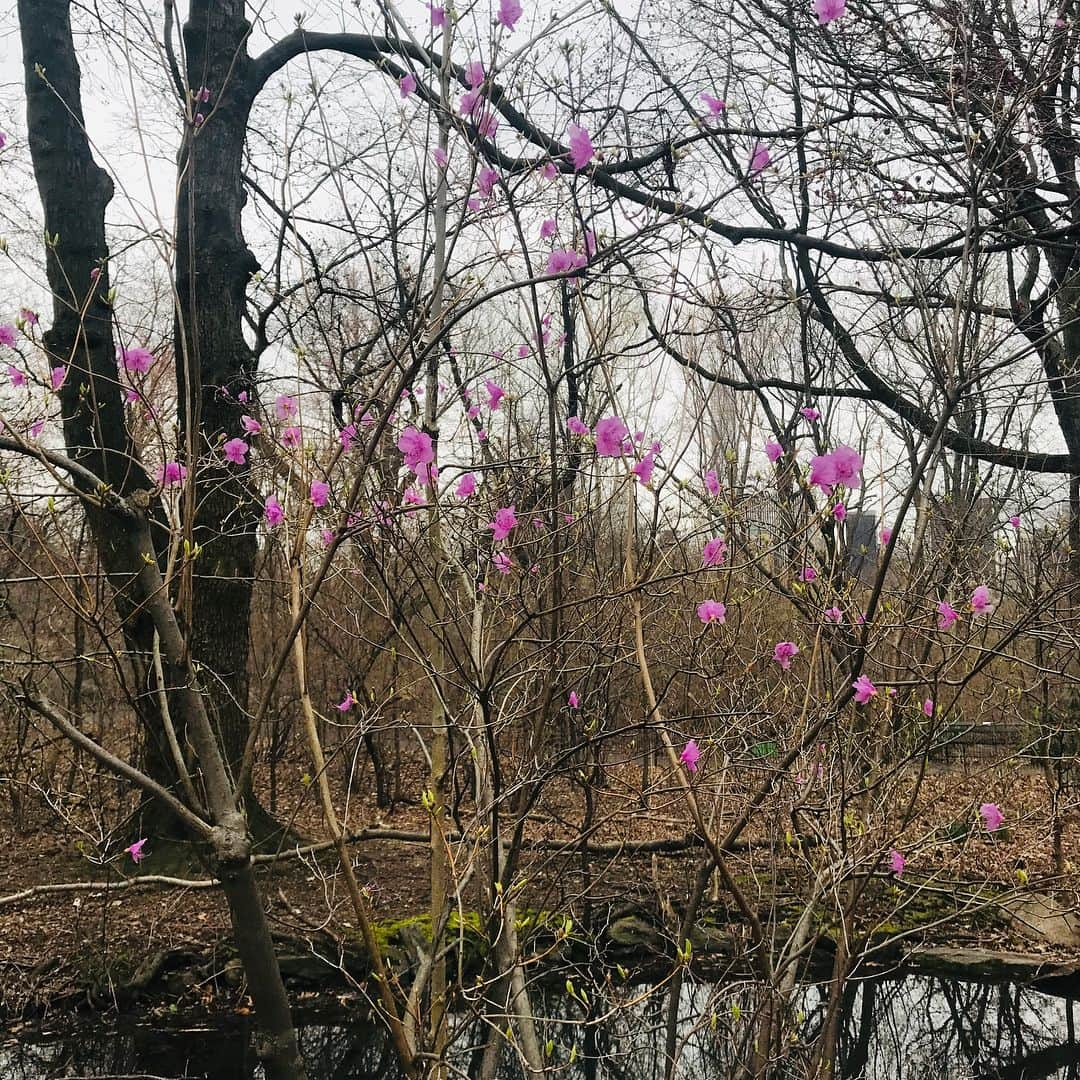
{"type": "Point", "coordinates": [915, 1028]}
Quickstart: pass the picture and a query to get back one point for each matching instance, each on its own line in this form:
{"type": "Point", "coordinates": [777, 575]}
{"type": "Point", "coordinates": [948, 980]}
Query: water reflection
{"type": "Point", "coordinates": [903, 1029]}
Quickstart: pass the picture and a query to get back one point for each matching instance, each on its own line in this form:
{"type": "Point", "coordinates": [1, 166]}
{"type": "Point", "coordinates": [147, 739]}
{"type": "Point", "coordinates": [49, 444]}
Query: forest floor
{"type": "Point", "coordinates": [80, 945]}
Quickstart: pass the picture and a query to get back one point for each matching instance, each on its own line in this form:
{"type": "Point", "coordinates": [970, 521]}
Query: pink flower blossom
{"type": "Point", "coordinates": [576, 427]}
{"type": "Point", "coordinates": [947, 615]}
{"type": "Point", "coordinates": [864, 690]}
{"type": "Point", "coordinates": [136, 851]}
{"type": "Point", "coordinates": [137, 359]}
{"type": "Point", "coordinates": [509, 13]}
{"type": "Point", "coordinates": [840, 466]}
{"type": "Point", "coordinates": [810, 413]}
{"type": "Point", "coordinates": [713, 104]}
{"type": "Point", "coordinates": [505, 521]}
{"type": "Point", "coordinates": [643, 469]}
{"type": "Point", "coordinates": [711, 611]}
{"type": "Point", "coordinates": [829, 10]}
{"type": "Point", "coordinates": [610, 433]}
{"type": "Point", "coordinates": [418, 451]}
{"type": "Point", "coordinates": [573, 700]}
{"type": "Point", "coordinates": [439, 156]}
{"type": "Point", "coordinates": [7, 335]}
{"type": "Point", "coordinates": [712, 483]}
{"type": "Point", "coordinates": [547, 228]}
{"type": "Point", "coordinates": [17, 377]}
{"type": "Point", "coordinates": [773, 451]}
{"type": "Point", "coordinates": [36, 428]}
{"type": "Point", "coordinates": [250, 425]}
{"type": "Point", "coordinates": [438, 15]}
{"type": "Point", "coordinates": [690, 756]}
{"type": "Point", "coordinates": [839, 511]}
{"type": "Point", "coordinates": [784, 652]}
{"type": "Point", "coordinates": [495, 394]}
{"type": "Point", "coordinates": [171, 474]}
{"type": "Point", "coordinates": [284, 406]}
{"type": "Point", "coordinates": [992, 816]}
{"type": "Point", "coordinates": [320, 491]}
{"type": "Point", "coordinates": [581, 147]}
{"type": "Point", "coordinates": [235, 451]}
{"type": "Point", "coordinates": [897, 862]}
{"type": "Point", "coordinates": [273, 512]}
{"type": "Point", "coordinates": [407, 85]}
{"type": "Point", "coordinates": [886, 536]}
{"type": "Point", "coordinates": [760, 158]}
{"type": "Point", "coordinates": [549, 171]}
{"type": "Point", "coordinates": [928, 707]}
{"type": "Point", "coordinates": [485, 181]}
{"type": "Point", "coordinates": [980, 601]}
{"type": "Point", "coordinates": [1014, 521]}
{"type": "Point", "coordinates": [28, 316]}
{"type": "Point", "coordinates": [474, 74]}
{"type": "Point", "coordinates": [346, 435]}
{"type": "Point", "coordinates": [291, 437]}
{"type": "Point", "coordinates": [834, 615]}
{"type": "Point", "coordinates": [413, 496]}
{"type": "Point", "coordinates": [563, 259]}
{"type": "Point", "coordinates": [347, 702]}
{"type": "Point", "coordinates": [501, 562]}
{"type": "Point", "coordinates": [714, 552]}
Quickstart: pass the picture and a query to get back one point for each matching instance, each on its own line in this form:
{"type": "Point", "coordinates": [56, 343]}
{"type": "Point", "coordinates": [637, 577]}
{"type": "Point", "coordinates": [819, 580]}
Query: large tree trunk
{"type": "Point", "coordinates": [215, 364]}
{"type": "Point", "coordinates": [75, 192]}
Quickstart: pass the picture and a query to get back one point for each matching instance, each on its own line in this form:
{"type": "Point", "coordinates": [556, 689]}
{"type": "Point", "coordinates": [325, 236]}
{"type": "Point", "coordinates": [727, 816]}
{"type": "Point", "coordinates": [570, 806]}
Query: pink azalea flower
{"type": "Point", "coordinates": [474, 73]}
{"type": "Point", "coordinates": [137, 851]}
{"type": "Point", "coordinates": [711, 611]}
{"type": "Point", "coordinates": [3, 140]}
{"type": "Point", "coordinates": [284, 406]}
{"type": "Point", "coordinates": [610, 433]}
{"type": "Point", "coordinates": [320, 491]}
{"type": "Point", "coordinates": [581, 147]}
{"type": "Point", "coordinates": [137, 359]}
{"type": "Point", "coordinates": [291, 437]}
{"type": "Point", "coordinates": [438, 15]}
{"type": "Point", "coordinates": [573, 700]}
{"type": "Point", "coordinates": [412, 496]}
{"type": "Point", "coordinates": [326, 536]}
{"type": "Point", "coordinates": [473, 412]}
{"type": "Point", "coordinates": [897, 862]}
{"type": "Point", "coordinates": [440, 157]}
{"type": "Point", "coordinates": [828, 10]}
{"type": "Point", "coordinates": [418, 451]}
{"type": "Point", "coordinates": [466, 486]}
{"type": "Point", "coordinates": [773, 451]}
{"type": "Point", "coordinates": [346, 435]}
{"type": "Point", "coordinates": [992, 816]}
{"type": "Point", "coordinates": [36, 428]}
{"type": "Point", "coordinates": [834, 615]}
{"type": "Point", "coordinates": [714, 552]}
{"type": "Point", "coordinates": [760, 158]}
{"type": "Point", "coordinates": [808, 573]}
{"type": "Point", "coordinates": [810, 413]}
{"type": "Point", "coordinates": [547, 228]}
{"type": "Point", "coordinates": [563, 259]}
{"type": "Point", "coordinates": [509, 13]}
{"type": "Point", "coordinates": [235, 451]}
{"type": "Point", "coordinates": [947, 615]}
{"type": "Point", "coordinates": [839, 511]}
{"type": "Point", "coordinates": [523, 351]}
{"type": "Point", "coordinates": [17, 377]}
{"type": "Point", "coordinates": [407, 85]}
{"type": "Point", "coordinates": [643, 469]}
{"type": "Point", "coordinates": [548, 171]}
{"type": "Point", "coordinates": [980, 601]}
{"type": "Point", "coordinates": [1014, 521]}
{"type": "Point", "coordinates": [501, 562]}
{"type": "Point", "coordinates": [712, 483]}
{"type": "Point", "coordinates": [849, 465]}
{"type": "Point", "coordinates": [864, 690]}
{"type": "Point", "coordinates": [690, 756]}
{"type": "Point", "coordinates": [590, 243]}
{"type": "Point", "coordinates": [576, 427]}
{"type": "Point", "coordinates": [28, 316]}
{"type": "Point", "coordinates": [784, 652]}
{"type": "Point", "coordinates": [713, 104]}
{"type": "Point", "coordinates": [273, 512]}
{"type": "Point", "coordinates": [7, 335]}
{"type": "Point", "coordinates": [485, 181]}
{"type": "Point", "coordinates": [928, 707]}
{"type": "Point", "coordinates": [505, 521]}
{"type": "Point", "coordinates": [171, 474]}
{"type": "Point", "coordinates": [347, 702]}
{"type": "Point", "coordinates": [495, 394]}
{"type": "Point", "coordinates": [886, 536]}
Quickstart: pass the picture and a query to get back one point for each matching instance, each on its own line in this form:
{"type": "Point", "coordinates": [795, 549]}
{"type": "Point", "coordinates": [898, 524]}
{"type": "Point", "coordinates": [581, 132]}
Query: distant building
{"type": "Point", "coordinates": [861, 547]}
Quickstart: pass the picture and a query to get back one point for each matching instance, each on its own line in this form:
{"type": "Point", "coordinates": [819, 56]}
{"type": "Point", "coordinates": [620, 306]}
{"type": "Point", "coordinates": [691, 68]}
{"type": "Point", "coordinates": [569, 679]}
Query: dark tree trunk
{"type": "Point", "coordinates": [74, 192]}
{"type": "Point", "coordinates": [215, 364]}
